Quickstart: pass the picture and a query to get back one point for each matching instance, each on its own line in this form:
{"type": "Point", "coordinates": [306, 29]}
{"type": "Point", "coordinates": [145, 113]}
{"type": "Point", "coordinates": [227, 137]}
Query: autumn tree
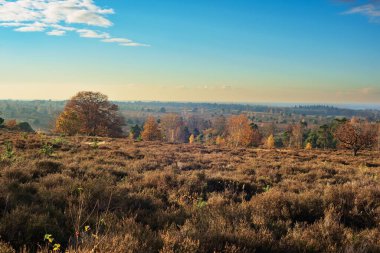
{"type": "Point", "coordinates": [240, 131]}
{"type": "Point", "coordinates": [68, 122]}
{"type": "Point", "coordinates": [270, 142]}
{"type": "Point", "coordinates": [92, 114]}
{"type": "Point", "coordinates": [151, 131]}
{"type": "Point", "coordinates": [297, 134]}
{"type": "Point", "coordinates": [268, 129]}
{"type": "Point", "coordinates": [174, 128]}
{"type": "Point", "coordinates": [308, 146]}
{"type": "Point", "coordinates": [191, 139]}
{"type": "Point", "coordinates": [220, 141]}
{"type": "Point", "coordinates": [197, 124]}
{"type": "Point", "coordinates": [219, 124]}
{"type": "Point", "coordinates": [12, 123]}
{"type": "Point", "coordinates": [356, 135]}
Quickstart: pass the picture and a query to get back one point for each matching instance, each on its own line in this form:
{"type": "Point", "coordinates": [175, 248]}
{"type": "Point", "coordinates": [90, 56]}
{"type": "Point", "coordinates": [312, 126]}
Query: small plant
{"type": "Point", "coordinates": [56, 247]}
{"type": "Point", "coordinates": [266, 188]}
{"type": "Point", "coordinates": [24, 135]}
{"type": "Point", "coordinates": [58, 141]}
{"type": "Point", "coordinates": [201, 203]}
{"type": "Point", "coordinates": [8, 152]}
{"type": "Point", "coordinates": [47, 149]}
{"type": "Point", "coordinates": [95, 144]}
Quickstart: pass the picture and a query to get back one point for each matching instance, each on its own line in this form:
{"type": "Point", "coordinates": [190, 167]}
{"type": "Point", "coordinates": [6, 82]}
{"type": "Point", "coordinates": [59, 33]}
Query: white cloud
{"type": "Point", "coordinates": [133, 44]}
{"type": "Point", "coordinates": [59, 17]}
{"type": "Point", "coordinates": [56, 33]}
{"type": "Point", "coordinates": [117, 40]}
{"type": "Point", "coordinates": [85, 33]}
{"type": "Point", "coordinates": [124, 42]}
{"type": "Point", "coordinates": [30, 29]}
{"type": "Point", "coordinates": [35, 27]}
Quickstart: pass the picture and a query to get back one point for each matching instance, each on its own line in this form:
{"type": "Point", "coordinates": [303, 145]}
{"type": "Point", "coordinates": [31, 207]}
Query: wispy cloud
{"type": "Point", "coordinates": [56, 17]}
{"type": "Point", "coordinates": [370, 9]}
{"type": "Point", "coordinates": [85, 33]}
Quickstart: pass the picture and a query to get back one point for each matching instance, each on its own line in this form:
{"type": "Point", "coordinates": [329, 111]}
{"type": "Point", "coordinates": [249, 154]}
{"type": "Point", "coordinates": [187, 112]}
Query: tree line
{"type": "Point", "coordinates": [91, 113]}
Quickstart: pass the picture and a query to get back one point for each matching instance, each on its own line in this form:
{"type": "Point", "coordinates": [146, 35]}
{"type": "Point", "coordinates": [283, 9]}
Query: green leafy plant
{"type": "Point", "coordinates": [47, 149]}
{"type": "Point", "coordinates": [56, 247]}
{"type": "Point", "coordinates": [266, 188]}
{"type": "Point", "coordinates": [95, 144]}
{"type": "Point", "coordinates": [201, 203]}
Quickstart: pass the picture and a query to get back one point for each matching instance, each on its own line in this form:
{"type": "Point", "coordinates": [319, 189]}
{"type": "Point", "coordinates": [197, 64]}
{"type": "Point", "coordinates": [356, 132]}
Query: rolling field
{"type": "Point", "coordinates": [114, 195]}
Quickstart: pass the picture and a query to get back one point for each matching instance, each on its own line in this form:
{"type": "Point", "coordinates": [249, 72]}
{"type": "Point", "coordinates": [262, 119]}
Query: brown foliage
{"type": "Point", "coordinates": [356, 135]}
{"type": "Point", "coordinates": [92, 114]}
{"type": "Point", "coordinates": [157, 197]}
{"type": "Point", "coordinates": [12, 123]}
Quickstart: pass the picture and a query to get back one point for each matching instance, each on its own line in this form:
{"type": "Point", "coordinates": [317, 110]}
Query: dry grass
{"type": "Point", "coordinates": [155, 197]}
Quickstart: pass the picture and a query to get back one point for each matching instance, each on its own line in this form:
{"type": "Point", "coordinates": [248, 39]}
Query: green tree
{"type": "Point", "coordinates": [135, 132]}
{"type": "Point", "coordinates": [326, 138]}
{"type": "Point", "coordinates": [24, 127]}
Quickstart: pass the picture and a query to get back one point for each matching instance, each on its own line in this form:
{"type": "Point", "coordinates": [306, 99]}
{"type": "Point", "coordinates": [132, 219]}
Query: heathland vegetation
{"type": "Point", "coordinates": [189, 181]}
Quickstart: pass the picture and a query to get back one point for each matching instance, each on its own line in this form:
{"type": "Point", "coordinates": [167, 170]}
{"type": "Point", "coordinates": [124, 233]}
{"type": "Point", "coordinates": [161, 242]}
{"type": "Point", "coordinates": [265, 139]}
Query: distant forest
{"type": "Point", "coordinates": [41, 114]}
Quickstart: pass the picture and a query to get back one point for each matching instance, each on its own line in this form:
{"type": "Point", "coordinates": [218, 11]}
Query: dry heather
{"type": "Point", "coordinates": [112, 195]}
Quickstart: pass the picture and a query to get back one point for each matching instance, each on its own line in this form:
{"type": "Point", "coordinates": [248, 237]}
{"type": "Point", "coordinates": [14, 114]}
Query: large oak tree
{"type": "Point", "coordinates": [356, 135]}
{"type": "Point", "coordinates": [92, 114]}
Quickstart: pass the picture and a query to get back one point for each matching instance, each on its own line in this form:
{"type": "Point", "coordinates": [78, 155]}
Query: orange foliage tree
{"type": "Point", "coordinates": [151, 131]}
{"type": "Point", "coordinates": [12, 123]}
{"type": "Point", "coordinates": [240, 131]}
{"type": "Point", "coordinates": [356, 135]}
{"type": "Point", "coordinates": [92, 114]}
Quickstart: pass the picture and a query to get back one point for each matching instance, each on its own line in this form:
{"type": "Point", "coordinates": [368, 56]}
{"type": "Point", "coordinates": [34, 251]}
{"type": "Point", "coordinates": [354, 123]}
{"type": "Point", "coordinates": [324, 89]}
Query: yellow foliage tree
{"type": "Point", "coordinates": [151, 130]}
{"type": "Point", "coordinates": [309, 146]}
{"type": "Point", "coordinates": [220, 140]}
{"type": "Point", "coordinates": [270, 142]}
{"type": "Point", "coordinates": [191, 139]}
{"type": "Point", "coordinates": [68, 122]}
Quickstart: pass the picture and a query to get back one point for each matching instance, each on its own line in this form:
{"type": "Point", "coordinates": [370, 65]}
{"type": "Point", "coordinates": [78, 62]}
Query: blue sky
{"type": "Point", "coordinates": [199, 50]}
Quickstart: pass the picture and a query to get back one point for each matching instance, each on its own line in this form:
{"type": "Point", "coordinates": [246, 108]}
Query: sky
{"type": "Point", "coordinates": [303, 51]}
